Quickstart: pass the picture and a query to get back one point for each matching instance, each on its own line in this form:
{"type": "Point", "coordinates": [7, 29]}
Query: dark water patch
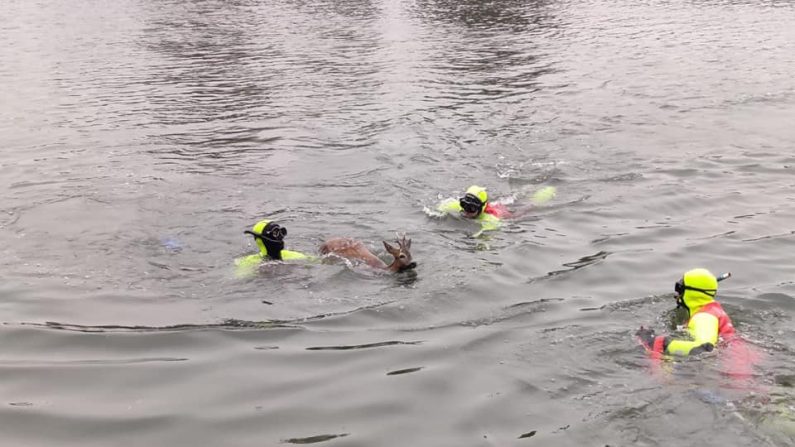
{"type": "Point", "coordinates": [653, 226]}
{"type": "Point", "coordinates": [364, 346]}
{"type": "Point", "coordinates": [719, 235]}
{"type": "Point", "coordinates": [158, 265]}
{"type": "Point", "coordinates": [529, 434]}
{"type": "Point", "coordinates": [484, 19]}
{"type": "Point", "coordinates": [585, 261]}
{"type": "Point", "coordinates": [608, 237]}
{"type": "Point", "coordinates": [786, 380]}
{"type": "Point", "coordinates": [314, 439]}
{"type": "Point", "coordinates": [196, 119]}
{"type": "Point", "coordinates": [405, 371]}
{"type": "Point", "coordinates": [532, 306]}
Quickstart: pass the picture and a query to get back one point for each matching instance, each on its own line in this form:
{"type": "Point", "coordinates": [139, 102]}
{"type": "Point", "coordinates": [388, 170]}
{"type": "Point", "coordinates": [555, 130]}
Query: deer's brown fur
{"type": "Point", "coordinates": [356, 251]}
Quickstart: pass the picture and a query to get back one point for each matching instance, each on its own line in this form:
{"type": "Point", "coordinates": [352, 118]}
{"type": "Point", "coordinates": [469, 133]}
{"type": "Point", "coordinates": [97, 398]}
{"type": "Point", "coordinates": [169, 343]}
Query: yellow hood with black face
{"type": "Point", "coordinates": [701, 279]}
{"type": "Point", "coordinates": [257, 228]}
{"type": "Point", "coordinates": [479, 192]}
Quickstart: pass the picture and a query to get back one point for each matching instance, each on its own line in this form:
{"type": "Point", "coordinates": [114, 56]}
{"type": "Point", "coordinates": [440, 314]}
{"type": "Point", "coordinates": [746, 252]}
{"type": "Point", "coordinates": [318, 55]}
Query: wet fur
{"type": "Point", "coordinates": [356, 251]}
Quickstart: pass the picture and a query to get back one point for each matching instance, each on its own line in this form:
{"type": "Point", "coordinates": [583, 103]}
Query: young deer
{"type": "Point", "coordinates": [356, 251]}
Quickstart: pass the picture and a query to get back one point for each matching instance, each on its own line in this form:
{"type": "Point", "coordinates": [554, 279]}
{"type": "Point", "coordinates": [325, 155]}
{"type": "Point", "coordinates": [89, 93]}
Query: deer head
{"type": "Point", "coordinates": [401, 254]}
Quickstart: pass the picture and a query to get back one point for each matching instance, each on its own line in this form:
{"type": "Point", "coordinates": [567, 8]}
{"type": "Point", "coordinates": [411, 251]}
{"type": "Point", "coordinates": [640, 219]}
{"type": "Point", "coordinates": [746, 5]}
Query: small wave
{"type": "Point", "coordinates": [314, 439]}
{"type": "Point", "coordinates": [404, 371]}
{"type": "Point", "coordinates": [364, 346]}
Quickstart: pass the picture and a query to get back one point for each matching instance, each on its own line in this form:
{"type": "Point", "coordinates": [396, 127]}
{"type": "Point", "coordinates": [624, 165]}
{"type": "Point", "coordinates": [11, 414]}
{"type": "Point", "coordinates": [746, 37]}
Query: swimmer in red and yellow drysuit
{"type": "Point", "coordinates": [707, 323]}
{"type": "Point", "coordinates": [710, 328]}
{"type": "Point", "coordinates": [475, 205]}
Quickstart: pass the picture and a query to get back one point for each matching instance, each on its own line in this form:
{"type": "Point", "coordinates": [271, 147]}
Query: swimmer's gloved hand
{"type": "Point", "coordinates": [544, 195]}
{"type": "Point", "coordinates": [650, 341]}
{"type": "Point", "coordinates": [646, 337]}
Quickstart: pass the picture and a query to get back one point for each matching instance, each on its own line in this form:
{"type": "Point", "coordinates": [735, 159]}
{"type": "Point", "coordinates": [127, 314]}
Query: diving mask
{"type": "Point", "coordinates": [471, 204]}
{"type": "Point", "coordinates": [271, 231]}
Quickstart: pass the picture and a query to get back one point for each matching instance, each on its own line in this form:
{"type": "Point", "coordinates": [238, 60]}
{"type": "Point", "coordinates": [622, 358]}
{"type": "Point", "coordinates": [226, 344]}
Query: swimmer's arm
{"type": "Point", "coordinates": [488, 223]}
{"type": "Point", "coordinates": [288, 255]}
{"type": "Point", "coordinates": [449, 206]}
{"type": "Point", "coordinates": [539, 198]}
{"type": "Point", "coordinates": [703, 329]}
{"type": "Point", "coordinates": [246, 266]}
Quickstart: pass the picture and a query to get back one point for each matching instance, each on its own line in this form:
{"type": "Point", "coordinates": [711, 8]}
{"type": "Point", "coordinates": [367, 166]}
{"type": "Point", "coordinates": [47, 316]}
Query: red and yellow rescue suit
{"type": "Point", "coordinates": [708, 324]}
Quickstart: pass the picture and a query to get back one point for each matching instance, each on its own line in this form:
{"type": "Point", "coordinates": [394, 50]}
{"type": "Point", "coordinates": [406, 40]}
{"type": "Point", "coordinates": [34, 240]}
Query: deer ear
{"type": "Point", "coordinates": [389, 248]}
{"type": "Point", "coordinates": [408, 244]}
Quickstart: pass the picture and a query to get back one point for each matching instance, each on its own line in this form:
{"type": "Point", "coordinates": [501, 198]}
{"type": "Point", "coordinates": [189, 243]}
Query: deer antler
{"type": "Point", "coordinates": [401, 238]}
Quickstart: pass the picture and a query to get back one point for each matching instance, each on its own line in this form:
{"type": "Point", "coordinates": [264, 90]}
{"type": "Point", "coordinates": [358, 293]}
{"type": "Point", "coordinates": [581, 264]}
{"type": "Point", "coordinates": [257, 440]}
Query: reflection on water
{"type": "Point", "coordinates": [504, 16]}
{"type": "Point", "coordinates": [140, 138]}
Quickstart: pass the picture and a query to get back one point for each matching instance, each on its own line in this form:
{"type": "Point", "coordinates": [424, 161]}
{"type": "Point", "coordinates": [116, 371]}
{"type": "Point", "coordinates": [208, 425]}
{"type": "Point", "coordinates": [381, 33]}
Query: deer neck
{"type": "Point", "coordinates": [374, 262]}
{"type": "Point", "coordinates": [394, 267]}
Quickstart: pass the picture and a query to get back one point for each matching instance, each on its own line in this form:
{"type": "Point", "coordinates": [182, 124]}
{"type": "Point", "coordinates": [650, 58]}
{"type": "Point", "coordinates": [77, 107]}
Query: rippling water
{"type": "Point", "coordinates": [139, 139]}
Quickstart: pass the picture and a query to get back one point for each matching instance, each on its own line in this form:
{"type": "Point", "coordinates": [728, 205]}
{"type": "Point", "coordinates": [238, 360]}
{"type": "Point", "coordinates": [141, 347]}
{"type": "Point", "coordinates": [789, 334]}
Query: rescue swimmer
{"type": "Point", "coordinates": [475, 205]}
{"type": "Point", "coordinates": [707, 321]}
{"type": "Point", "coordinates": [269, 237]}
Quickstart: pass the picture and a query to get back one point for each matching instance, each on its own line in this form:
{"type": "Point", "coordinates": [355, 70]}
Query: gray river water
{"type": "Point", "coordinates": [140, 138]}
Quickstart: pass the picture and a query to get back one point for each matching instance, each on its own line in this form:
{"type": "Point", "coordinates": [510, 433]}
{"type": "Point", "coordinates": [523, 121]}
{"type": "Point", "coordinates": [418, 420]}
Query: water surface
{"type": "Point", "coordinates": [141, 138]}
